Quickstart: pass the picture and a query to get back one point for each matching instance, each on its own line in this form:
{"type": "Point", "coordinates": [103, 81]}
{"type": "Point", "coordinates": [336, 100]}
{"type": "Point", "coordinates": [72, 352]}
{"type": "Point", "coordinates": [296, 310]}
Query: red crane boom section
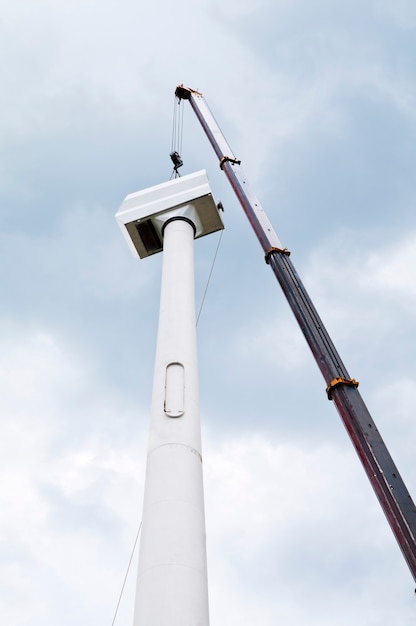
{"type": "Point", "coordinates": [383, 474]}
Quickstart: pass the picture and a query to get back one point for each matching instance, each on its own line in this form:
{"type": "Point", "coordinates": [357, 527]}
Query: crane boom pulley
{"type": "Point", "coordinates": [383, 474]}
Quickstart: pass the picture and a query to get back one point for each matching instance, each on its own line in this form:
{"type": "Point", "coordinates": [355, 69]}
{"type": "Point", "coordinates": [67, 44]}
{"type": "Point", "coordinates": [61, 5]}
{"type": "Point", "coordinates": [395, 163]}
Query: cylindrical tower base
{"type": "Point", "coordinates": [172, 574]}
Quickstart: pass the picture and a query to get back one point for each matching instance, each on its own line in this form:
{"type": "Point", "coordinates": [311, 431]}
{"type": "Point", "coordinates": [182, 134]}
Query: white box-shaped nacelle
{"type": "Point", "coordinates": [143, 215]}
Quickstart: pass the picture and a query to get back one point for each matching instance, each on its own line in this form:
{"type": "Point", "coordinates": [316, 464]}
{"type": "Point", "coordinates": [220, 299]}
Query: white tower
{"type": "Point", "coordinates": [172, 585]}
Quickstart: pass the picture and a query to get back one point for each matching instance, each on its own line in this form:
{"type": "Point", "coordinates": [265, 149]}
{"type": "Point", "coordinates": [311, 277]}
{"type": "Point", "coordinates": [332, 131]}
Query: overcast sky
{"type": "Point", "coordinates": [318, 100]}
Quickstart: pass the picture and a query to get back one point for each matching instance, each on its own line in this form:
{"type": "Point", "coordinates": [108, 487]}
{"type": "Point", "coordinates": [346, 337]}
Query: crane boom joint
{"type": "Point", "coordinates": [350, 382]}
{"type": "Point", "coordinates": [230, 160]}
{"type": "Point", "coordinates": [272, 250]}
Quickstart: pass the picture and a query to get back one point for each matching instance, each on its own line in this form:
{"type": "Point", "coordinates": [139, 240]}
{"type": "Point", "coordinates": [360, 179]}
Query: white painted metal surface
{"type": "Point", "coordinates": [172, 573]}
{"type": "Point", "coordinates": [150, 208]}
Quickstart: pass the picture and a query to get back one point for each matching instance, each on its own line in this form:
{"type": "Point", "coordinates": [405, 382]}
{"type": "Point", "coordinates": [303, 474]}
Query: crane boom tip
{"type": "Point", "coordinates": [184, 93]}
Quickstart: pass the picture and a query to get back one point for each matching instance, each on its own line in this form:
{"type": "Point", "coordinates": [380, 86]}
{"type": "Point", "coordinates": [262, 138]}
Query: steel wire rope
{"type": "Point", "coordinates": [174, 125]}
{"type": "Point", "coordinates": [177, 133]}
{"type": "Point", "coordinates": [126, 575]}
{"type": "Point", "coordinates": [176, 146]}
{"type": "Point", "coordinates": [180, 129]}
{"type": "Point", "coordinates": [209, 277]}
{"type": "Point", "coordinates": [140, 526]}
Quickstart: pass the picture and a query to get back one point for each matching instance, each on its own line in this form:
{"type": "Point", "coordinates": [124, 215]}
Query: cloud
{"type": "Point", "coordinates": [402, 13]}
{"type": "Point", "coordinates": [393, 274]}
{"type": "Point", "coordinates": [280, 519]}
{"type": "Point", "coordinates": [318, 102]}
{"type": "Point", "coordinates": [67, 506]}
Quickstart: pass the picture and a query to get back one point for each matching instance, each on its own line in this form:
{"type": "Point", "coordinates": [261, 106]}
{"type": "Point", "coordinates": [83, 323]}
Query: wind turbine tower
{"type": "Point", "coordinates": [172, 587]}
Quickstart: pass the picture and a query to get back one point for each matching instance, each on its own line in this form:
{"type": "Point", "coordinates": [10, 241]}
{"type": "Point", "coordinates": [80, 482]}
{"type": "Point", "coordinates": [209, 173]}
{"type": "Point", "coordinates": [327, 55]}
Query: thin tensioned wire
{"type": "Point", "coordinates": [174, 125]}
{"type": "Point", "coordinates": [125, 577]}
{"type": "Point", "coordinates": [180, 129]}
{"type": "Point", "coordinates": [138, 532]}
{"type": "Point", "coordinates": [177, 131]}
{"type": "Point", "coordinates": [177, 126]}
{"type": "Point", "coordinates": [209, 277]}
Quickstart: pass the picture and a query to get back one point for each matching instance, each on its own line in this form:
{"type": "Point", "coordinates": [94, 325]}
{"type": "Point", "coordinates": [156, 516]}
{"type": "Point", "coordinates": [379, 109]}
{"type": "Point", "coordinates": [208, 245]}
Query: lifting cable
{"type": "Point", "coordinates": [176, 149]}
{"type": "Point", "coordinates": [125, 577]}
{"type": "Point", "coordinates": [175, 155]}
{"type": "Point", "coordinates": [177, 134]}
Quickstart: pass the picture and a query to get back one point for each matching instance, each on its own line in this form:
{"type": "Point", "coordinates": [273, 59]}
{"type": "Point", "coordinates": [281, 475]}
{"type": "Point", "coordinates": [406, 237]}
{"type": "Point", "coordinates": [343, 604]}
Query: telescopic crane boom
{"type": "Point", "coordinates": [384, 477]}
